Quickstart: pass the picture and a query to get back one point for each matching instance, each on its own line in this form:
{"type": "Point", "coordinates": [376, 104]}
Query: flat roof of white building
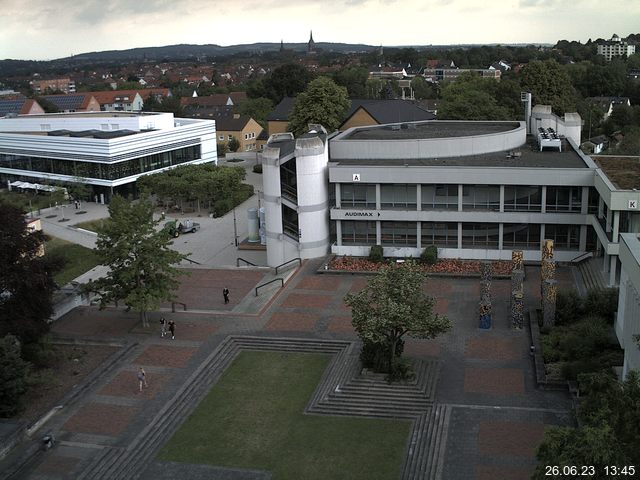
{"type": "Point", "coordinates": [429, 129]}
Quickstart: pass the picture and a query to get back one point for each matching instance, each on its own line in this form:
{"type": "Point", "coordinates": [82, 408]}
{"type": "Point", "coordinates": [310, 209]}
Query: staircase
{"type": "Point", "coordinates": [591, 272]}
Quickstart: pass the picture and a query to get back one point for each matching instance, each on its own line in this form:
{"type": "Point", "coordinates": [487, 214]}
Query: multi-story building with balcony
{"type": "Point", "coordinates": [615, 47]}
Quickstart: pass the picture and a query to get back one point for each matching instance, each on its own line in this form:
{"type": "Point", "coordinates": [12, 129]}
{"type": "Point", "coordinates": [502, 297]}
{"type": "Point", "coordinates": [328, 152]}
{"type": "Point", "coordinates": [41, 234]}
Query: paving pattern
{"type": "Point", "coordinates": [481, 415]}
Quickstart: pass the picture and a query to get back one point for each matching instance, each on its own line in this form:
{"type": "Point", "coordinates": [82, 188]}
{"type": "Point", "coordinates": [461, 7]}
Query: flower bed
{"type": "Point", "coordinates": [445, 266]}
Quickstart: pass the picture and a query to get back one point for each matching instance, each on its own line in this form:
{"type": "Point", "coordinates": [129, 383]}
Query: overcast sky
{"type": "Point", "coordinates": [48, 29]}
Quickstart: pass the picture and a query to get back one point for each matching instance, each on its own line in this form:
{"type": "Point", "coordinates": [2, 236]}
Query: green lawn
{"type": "Point", "coordinates": [253, 418]}
{"type": "Point", "coordinates": [79, 259]}
{"type": "Point", "coordinates": [91, 225]}
{"type": "Point", "coordinates": [21, 200]}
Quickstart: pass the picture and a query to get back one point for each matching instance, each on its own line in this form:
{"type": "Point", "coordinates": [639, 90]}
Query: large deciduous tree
{"type": "Point", "coordinates": [607, 435]}
{"type": "Point", "coordinates": [26, 282]}
{"type": "Point", "coordinates": [142, 270]}
{"type": "Point", "coordinates": [322, 102]}
{"type": "Point", "coordinates": [549, 84]}
{"type": "Point", "coordinates": [13, 376]}
{"type": "Point", "coordinates": [393, 304]}
{"type": "Point", "coordinates": [472, 98]}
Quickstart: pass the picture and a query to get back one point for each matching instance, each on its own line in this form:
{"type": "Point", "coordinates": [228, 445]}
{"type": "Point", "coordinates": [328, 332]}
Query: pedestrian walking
{"type": "Point", "coordinates": [225, 294]}
{"type": "Point", "coordinates": [172, 329]}
{"type": "Point", "coordinates": [142, 378]}
{"type": "Point", "coordinates": [163, 327]}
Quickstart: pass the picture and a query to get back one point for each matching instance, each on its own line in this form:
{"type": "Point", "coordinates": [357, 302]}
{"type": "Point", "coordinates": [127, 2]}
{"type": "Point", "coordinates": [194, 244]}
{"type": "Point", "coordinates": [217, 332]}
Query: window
{"type": "Point", "coordinates": [398, 196]}
{"type": "Point", "coordinates": [357, 195]}
{"type": "Point", "coordinates": [230, 137]}
{"type": "Point", "coordinates": [246, 136]}
{"type": "Point", "coordinates": [519, 198]}
{"type": "Point", "coordinates": [480, 235]}
{"type": "Point", "coordinates": [481, 197]}
{"type": "Point", "coordinates": [399, 234]}
{"type": "Point", "coordinates": [524, 235]}
{"type": "Point", "coordinates": [565, 237]}
{"type": "Point", "coordinates": [443, 234]}
{"type": "Point", "coordinates": [358, 232]}
{"type": "Point", "coordinates": [564, 199]}
{"type": "Point", "coordinates": [221, 138]}
{"type": "Point", "coordinates": [290, 222]}
{"type": "Point", "coordinates": [440, 197]}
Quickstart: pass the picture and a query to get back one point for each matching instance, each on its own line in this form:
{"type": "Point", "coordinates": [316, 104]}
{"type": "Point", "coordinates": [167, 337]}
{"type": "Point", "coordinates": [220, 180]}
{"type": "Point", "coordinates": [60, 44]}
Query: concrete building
{"type": "Point", "coordinates": [119, 101]}
{"type": "Point", "coordinates": [615, 47]}
{"type": "Point", "coordinates": [476, 190]}
{"type": "Point", "coordinates": [64, 85]}
{"type": "Point", "coordinates": [628, 317]}
{"type": "Point", "coordinates": [107, 151]}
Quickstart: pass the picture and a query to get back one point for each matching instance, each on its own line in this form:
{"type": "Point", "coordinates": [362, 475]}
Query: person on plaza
{"type": "Point", "coordinates": [163, 327]}
{"type": "Point", "coordinates": [225, 294]}
{"type": "Point", "coordinates": [172, 329]}
{"type": "Point", "coordinates": [142, 378]}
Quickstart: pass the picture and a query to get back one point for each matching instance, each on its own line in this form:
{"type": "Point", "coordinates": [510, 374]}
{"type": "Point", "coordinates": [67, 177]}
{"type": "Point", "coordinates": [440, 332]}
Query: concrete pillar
{"type": "Point", "coordinates": [460, 193]}
{"type": "Point", "coordinates": [612, 270]}
{"type": "Point", "coordinates": [616, 226]}
{"type": "Point", "coordinates": [338, 193]}
{"type": "Point", "coordinates": [600, 207]}
{"type": "Point", "coordinates": [459, 234]}
{"type": "Point", "coordinates": [501, 199]}
{"type": "Point", "coordinates": [584, 207]}
{"type": "Point", "coordinates": [378, 199]}
{"type": "Point", "coordinates": [608, 222]}
{"type": "Point", "coordinates": [419, 235]}
{"type": "Point", "coordinates": [500, 234]}
{"type": "Point", "coordinates": [549, 292]}
{"type": "Point", "coordinates": [339, 233]}
{"type": "Point", "coordinates": [419, 197]}
{"type": "Point", "coordinates": [583, 238]}
{"type": "Point", "coordinates": [378, 232]}
{"type": "Point", "coordinates": [542, 234]}
{"type": "Point", "coordinates": [543, 199]}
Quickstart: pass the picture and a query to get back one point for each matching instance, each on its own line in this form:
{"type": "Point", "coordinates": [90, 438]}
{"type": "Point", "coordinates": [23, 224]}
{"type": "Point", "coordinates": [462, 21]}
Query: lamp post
{"type": "Point", "coordinates": [235, 227]}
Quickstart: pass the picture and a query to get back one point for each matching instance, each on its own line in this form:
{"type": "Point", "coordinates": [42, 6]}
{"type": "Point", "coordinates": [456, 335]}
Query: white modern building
{"type": "Point", "coordinates": [476, 190]}
{"type": "Point", "coordinates": [107, 150]}
{"type": "Point", "coordinates": [615, 47]}
{"type": "Point", "coordinates": [628, 319]}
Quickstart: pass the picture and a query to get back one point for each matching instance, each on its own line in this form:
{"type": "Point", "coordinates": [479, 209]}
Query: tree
{"type": "Point", "coordinates": [423, 89]}
{"type": "Point", "coordinates": [354, 79]}
{"type": "Point", "coordinates": [609, 420]}
{"type": "Point", "coordinates": [471, 98]}
{"type": "Point", "coordinates": [234, 144]}
{"type": "Point", "coordinates": [256, 108]}
{"type": "Point", "coordinates": [549, 84]}
{"type": "Point", "coordinates": [26, 283]}
{"type": "Point", "coordinates": [139, 257]}
{"type": "Point", "coordinates": [322, 102]}
{"type": "Point", "coordinates": [285, 81]}
{"type": "Point", "coordinates": [392, 305]}
{"type": "Point", "coordinates": [13, 376]}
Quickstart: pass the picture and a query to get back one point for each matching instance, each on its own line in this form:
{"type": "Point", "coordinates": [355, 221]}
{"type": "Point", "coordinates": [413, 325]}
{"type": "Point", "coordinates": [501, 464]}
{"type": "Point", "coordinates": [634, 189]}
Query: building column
{"type": "Point", "coordinates": [542, 235]}
{"type": "Point", "coordinates": [608, 222]}
{"type": "Point", "coordinates": [459, 235]}
{"type": "Point", "coordinates": [616, 226]}
{"type": "Point", "coordinates": [338, 201]}
{"type": "Point", "coordinates": [583, 238]}
{"type": "Point", "coordinates": [612, 270]}
{"type": "Point", "coordinates": [584, 207]}
{"type": "Point", "coordinates": [460, 193]}
{"type": "Point", "coordinates": [500, 233]}
{"type": "Point", "coordinates": [378, 232]}
{"type": "Point", "coordinates": [501, 202]}
{"type": "Point", "coordinates": [600, 207]}
{"type": "Point", "coordinates": [543, 199]}
{"type": "Point", "coordinates": [339, 233]}
{"type": "Point", "coordinates": [419, 235]}
{"type": "Point", "coordinates": [419, 197]}
{"type": "Point", "coordinates": [378, 200]}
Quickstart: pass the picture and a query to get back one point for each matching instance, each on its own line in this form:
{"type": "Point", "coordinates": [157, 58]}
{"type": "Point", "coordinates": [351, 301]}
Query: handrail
{"type": "Point", "coordinates": [287, 262]}
{"type": "Point", "coordinates": [579, 258]}
{"type": "Point", "coordinates": [245, 261]}
{"type": "Point", "coordinates": [173, 306]}
{"type": "Point", "coordinates": [270, 281]}
{"type": "Point", "coordinates": [192, 261]}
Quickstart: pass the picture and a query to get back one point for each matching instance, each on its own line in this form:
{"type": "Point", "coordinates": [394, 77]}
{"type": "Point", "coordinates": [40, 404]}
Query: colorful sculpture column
{"type": "Point", "coordinates": [517, 289]}
{"type": "Point", "coordinates": [548, 285]}
{"type": "Point", "coordinates": [485, 295]}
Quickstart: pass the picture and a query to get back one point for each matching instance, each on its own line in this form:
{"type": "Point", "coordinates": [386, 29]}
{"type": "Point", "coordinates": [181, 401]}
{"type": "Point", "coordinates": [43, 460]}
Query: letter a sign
{"type": "Point", "coordinates": [356, 177]}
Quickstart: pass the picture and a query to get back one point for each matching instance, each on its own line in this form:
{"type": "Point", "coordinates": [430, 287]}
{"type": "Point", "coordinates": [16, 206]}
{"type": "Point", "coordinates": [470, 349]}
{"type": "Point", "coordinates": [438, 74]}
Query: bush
{"type": "Point", "coordinates": [602, 302]}
{"type": "Point", "coordinates": [429, 255]}
{"type": "Point", "coordinates": [257, 168]}
{"type": "Point", "coordinates": [222, 206]}
{"type": "Point", "coordinates": [402, 371]}
{"type": "Point", "coordinates": [13, 376]}
{"type": "Point", "coordinates": [568, 307]}
{"type": "Point", "coordinates": [376, 253]}
{"type": "Point", "coordinates": [222, 149]}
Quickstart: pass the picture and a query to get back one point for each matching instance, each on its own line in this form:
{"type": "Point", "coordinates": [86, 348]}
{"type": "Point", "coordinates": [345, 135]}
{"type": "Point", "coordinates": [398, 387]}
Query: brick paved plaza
{"type": "Point", "coordinates": [479, 370]}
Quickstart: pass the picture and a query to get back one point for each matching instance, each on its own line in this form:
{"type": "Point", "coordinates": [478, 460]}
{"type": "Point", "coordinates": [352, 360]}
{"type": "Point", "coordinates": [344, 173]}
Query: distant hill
{"type": "Point", "coordinates": [194, 51]}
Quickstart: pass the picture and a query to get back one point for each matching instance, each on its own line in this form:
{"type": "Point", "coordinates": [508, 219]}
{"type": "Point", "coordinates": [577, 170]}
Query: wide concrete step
{"type": "Point", "coordinates": [350, 411]}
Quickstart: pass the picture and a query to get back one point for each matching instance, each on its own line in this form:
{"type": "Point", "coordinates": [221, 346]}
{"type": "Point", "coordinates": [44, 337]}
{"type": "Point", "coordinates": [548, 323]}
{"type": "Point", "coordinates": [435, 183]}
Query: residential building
{"type": "Point", "coordinates": [107, 151]}
{"type": "Point", "coordinates": [278, 119]}
{"type": "Point", "coordinates": [451, 74]}
{"type": "Point", "coordinates": [242, 127]}
{"type": "Point", "coordinates": [19, 106]}
{"type": "Point", "coordinates": [119, 100]}
{"type": "Point", "coordinates": [609, 103]}
{"type": "Point", "coordinates": [627, 324]}
{"type": "Point", "coordinates": [75, 102]}
{"type": "Point", "coordinates": [64, 85]}
{"type": "Point", "coordinates": [615, 47]}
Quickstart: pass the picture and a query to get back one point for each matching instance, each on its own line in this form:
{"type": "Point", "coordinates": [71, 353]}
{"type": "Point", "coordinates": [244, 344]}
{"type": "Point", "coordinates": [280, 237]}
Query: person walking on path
{"type": "Point", "coordinates": [225, 294]}
{"type": "Point", "coordinates": [163, 327]}
{"type": "Point", "coordinates": [142, 378]}
{"type": "Point", "coordinates": [172, 329]}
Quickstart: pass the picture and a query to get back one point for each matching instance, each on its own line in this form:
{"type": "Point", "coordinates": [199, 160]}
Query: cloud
{"type": "Point", "coordinates": [535, 3]}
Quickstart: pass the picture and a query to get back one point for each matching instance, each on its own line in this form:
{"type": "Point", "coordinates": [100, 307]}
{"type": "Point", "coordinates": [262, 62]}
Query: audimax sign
{"type": "Point", "coordinates": [361, 214]}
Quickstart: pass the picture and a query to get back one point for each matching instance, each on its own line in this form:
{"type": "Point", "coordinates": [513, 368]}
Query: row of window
{"type": "Point", "coordinates": [105, 171]}
{"type": "Point", "coordinates": [474, 197]}
{"type": "Point", "coordinates": [445, 234]}
{"type": "Point", "coordinates": [247, 136]}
